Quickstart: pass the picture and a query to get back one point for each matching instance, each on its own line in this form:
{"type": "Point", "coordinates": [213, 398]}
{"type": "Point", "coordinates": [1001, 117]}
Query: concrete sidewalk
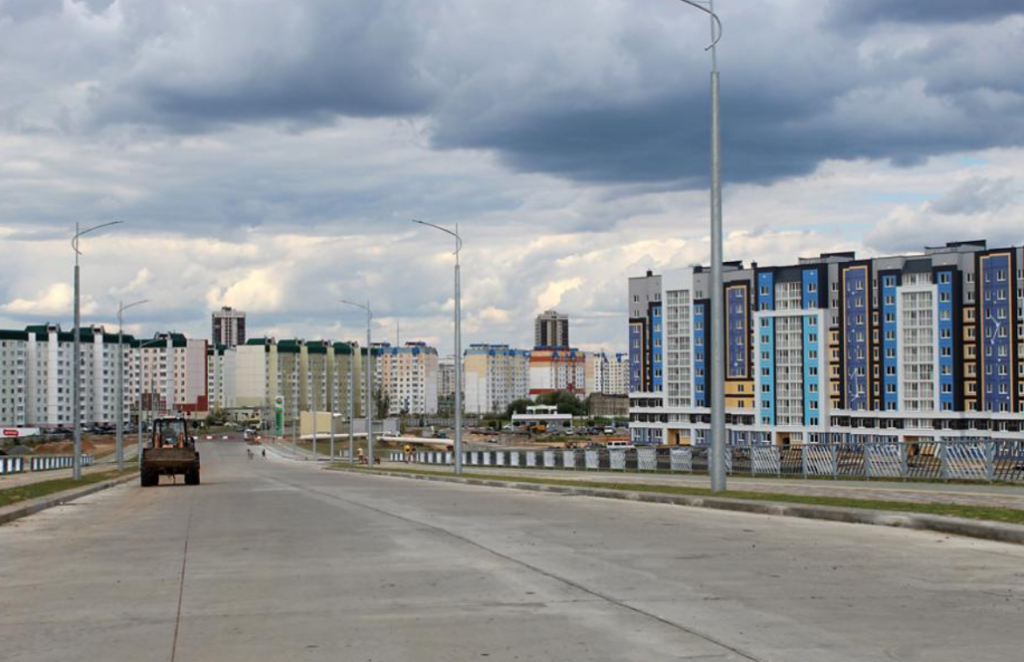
{"type": "Point", "coordinates": [982, 494]}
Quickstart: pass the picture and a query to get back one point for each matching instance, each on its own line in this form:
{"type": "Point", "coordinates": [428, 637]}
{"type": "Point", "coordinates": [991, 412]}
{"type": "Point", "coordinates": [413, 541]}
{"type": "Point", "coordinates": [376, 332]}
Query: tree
{"type": "Point", "coordinates": [566, 402]}
{"type": "Point", "coordinates": [381, 403]}
{"type": "Point", "coordinates": [518, 406]}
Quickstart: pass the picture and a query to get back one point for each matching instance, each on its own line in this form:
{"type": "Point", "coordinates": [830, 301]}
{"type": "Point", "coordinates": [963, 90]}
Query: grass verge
{"type": "Point", "coordinates": [13, 495]}
{"type": "Point", "coordinates": [987, 513]}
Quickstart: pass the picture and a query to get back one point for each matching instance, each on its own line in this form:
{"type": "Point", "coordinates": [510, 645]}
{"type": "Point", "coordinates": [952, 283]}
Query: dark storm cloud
{"type": "Point", "coordinates": [867, 12]}
{"type": "Point", "coordinates": [300, 63]}
{"type": "Point", "coordinates": [589, 90]}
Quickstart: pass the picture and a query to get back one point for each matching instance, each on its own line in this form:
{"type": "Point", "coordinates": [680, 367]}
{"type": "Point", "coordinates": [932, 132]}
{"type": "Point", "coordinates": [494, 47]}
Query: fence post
{"type": "Point", "coordinates": [803, 460]}
{"type": "Point", "coordinates": [835, 461]}
{"type": "Point", "coordinates": [904, 460]}
{"type": "Point", "coordinates": [990, 459]}
{"type": "Point", "coordinates": [865, 450]}
{"type": "Point", "coordinates": [943, 462]}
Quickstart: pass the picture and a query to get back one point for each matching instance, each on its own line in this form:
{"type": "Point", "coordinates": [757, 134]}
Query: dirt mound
{"type": "Point", "coordinates": [67, 447]}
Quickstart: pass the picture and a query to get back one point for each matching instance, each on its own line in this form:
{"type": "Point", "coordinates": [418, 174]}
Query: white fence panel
{"type": "Point", "coordinates": [617, 459]}
{"type": "Point", "coordinates": [819, 460]}
{"type": "Point", "coordinates": [646, 459]}
{"type": "Point", "coordinates": [592, 460]}
{"type": "Point", "coordinates": [569, 459]}
{"type": "Point", "coordinates": [765, 460]}
{"type": "Point", "coordinates": [549, 459]}
{"type": "Point", "coordinates": [531, 458]}
{"type": "Point", "coordinates": [966, 461]}
{"type": "Point", "coordinates": [680, 459]}
{"type": "Point", "coordinates": [885, 460]}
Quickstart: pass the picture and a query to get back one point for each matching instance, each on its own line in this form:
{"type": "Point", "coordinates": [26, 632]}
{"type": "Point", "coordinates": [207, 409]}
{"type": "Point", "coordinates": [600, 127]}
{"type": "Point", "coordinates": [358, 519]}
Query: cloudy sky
{"type": "Point", "coordinates": [268, 155]}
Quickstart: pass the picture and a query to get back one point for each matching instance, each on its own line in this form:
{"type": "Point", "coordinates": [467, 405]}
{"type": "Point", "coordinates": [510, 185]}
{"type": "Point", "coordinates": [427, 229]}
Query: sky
{"type": "Point", "coordinates": [269, 155]}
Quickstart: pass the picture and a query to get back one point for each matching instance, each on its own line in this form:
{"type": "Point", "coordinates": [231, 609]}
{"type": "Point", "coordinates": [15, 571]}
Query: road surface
{"type": "Point", "coordinates": [969, 494]}
{"type": "Point", "coordinates": [281, 560]}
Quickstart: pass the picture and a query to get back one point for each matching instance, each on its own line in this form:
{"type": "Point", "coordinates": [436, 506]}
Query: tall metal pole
{"type": "Point", "coordinates": [368, 413]}
{"type": "Point", "coordinates": [351, 400]}
{"type": "Point", "coordinates": [334, 395]}
{"type": "Point", "coordinates": [119, 439]}
{"type": "Point", "coordinates": [369, 388]}
{"type": "Point", "coordinates": [76, 399]}
{"type": "Point", "coordinates": [120, 380]}
{"type": "Point", "coordinates": [458, 359]}
{"type": "Point", "coordinates": [718, 431]}
{"type": "Point", "coordinates": [76, 406]}
{"type": "Point", "coordinates": [458, 343]}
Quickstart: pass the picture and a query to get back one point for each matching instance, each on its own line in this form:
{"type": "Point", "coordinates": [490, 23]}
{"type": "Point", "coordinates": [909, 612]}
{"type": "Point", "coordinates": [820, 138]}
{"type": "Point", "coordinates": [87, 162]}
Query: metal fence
{"type": "Point", "coordinates": [933, 460]}
{"type": "Point", "coordinates": [14, 465]}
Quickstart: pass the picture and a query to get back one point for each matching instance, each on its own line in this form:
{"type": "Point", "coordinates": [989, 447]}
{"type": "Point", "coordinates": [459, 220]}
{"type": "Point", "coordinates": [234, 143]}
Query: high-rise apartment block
{"type": "Point", "coordinates": [166, 373]}
{"type": "Point", "coordinates": [551, 329]}
{"type": "Point", "coordinates": [607, 375]}
{"type": "Point", "coordinates": [228, 327]}
{"type": "Point", "coordinates": [645, 334]}
{"type": "Point", "coordinates": [408, 377]}
{"type": "Point", "coordinates": [557, 369]}
{"type": "Point", "coordinates": [495, 375]}
{"type": "Point", "coordinates": [13, 378]}
{"type": "Point", "coordinates": [834, 348]}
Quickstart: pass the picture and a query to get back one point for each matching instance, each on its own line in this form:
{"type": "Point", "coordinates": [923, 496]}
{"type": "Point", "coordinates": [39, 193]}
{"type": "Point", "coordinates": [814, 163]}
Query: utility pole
{"type": "Point", "coordinates": [458, 343]}
{"type": "Point", "coordinates": [76, 400]}
{"type": "Point", "coordinates": [718, 430]}
{"type": "Point", "coordinates": [119, 445]}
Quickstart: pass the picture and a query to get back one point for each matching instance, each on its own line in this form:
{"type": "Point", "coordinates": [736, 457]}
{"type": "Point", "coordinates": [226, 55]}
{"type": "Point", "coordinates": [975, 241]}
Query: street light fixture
{"type": "Point", "coordinates": [369, 383]}
{"type": "Point", "coordinates": [718, 440]}
{"type": "Point", "coordinates": [77, 368]}
{"type": "Point", "coordinates": [458, 343]}
{"type": "Point", "coordinates": [120, 380]}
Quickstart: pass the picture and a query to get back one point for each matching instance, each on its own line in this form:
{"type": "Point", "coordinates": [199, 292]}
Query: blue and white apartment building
{"type": "Point", "coordinates": [836, 349]}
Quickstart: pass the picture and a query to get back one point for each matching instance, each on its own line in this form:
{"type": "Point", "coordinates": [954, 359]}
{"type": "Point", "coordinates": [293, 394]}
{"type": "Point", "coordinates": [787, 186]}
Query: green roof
{"type": "Point", "coordinates": [10, 334]}
{"type": "Point", "coordinates": [291, 346]}
{"type": "Point", "coordinates": [343, 348]}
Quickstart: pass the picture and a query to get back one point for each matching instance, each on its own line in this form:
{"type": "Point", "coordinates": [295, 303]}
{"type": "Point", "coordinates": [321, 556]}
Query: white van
{"type": "Point", "coordinates": [620, 445]}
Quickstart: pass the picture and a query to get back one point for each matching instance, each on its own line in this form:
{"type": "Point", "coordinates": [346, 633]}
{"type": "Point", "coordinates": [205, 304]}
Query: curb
{"type": "Point", "coordinates": [33, 506]}
{"type": "Point", "coordinates": [995, 531]}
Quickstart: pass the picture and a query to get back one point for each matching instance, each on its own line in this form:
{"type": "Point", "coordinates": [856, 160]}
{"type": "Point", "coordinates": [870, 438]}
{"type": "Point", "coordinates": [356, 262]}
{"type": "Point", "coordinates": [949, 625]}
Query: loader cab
{"type": "Point", "coordinates": [171, 433]}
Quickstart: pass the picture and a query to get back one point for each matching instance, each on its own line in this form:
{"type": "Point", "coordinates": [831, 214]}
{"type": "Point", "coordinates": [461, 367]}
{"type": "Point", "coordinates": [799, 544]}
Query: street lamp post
{"type": "Point", "coordinates": [458, 343]}
{"type": "Point", "coordinates": [369, 382]}
{"type": "Point", "coordinates": [77, 367]}
{"type": "Point", "coordinates": [120, 380]}
{"type": "Point", "coordinates": [718, 432]}
{"type": "Point", "coordinates": [351, 399]}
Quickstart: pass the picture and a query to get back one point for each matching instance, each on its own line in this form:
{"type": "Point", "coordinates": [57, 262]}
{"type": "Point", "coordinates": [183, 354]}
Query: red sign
{"type": "Point", "coordinates": [11, 433]}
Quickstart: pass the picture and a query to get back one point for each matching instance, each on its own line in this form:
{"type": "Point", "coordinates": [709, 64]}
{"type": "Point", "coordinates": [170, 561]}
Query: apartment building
{"type": "Point", "coordinates": [13, 378]}
{"type": "Point", "coordinates": [645, 334]}
{"type": "Point", "coordinates": [408, 377]}
{"type": "Point", "coordinates": [221, 370]}
{"type": "Point", "coordinates": [918, 347]}
{"type": "Point", "coordinates": [494, 376]}
{"type": "Point", "coordinates": [557, 369]}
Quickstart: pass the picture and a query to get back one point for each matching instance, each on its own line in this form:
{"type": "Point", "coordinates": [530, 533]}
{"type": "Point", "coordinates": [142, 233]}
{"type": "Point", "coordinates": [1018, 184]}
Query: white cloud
{"type": "Point", "coordinates": [57, 299]}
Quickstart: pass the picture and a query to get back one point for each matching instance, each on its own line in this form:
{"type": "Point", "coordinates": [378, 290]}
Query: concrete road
{"type": "Point", "coordinates": [281, 560]}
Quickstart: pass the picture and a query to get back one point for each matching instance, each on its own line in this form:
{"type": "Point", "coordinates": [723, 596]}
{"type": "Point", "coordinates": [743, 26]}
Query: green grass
{"type": "Point", "coordinates": [14, 495]}
{"type": "Point", "coordinates": [988, 513]}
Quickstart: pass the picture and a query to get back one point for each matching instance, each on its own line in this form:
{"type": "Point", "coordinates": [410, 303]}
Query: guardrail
{"type": "Point", "coordinates": [21, 464]}
{"type": "Point", "coordinates": [937, 460]}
